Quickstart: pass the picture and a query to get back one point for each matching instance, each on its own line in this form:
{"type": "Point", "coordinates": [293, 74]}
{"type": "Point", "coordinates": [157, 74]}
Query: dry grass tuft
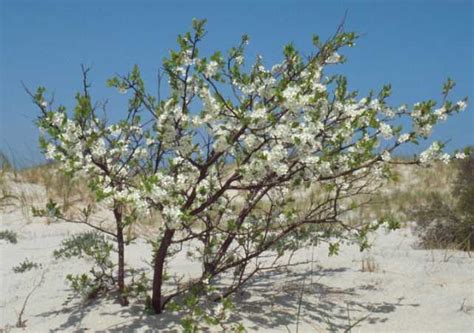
{"type": "Point", "coordinates": [58, 186]}
{"type": "Point", "coordinates": [35, 186]}
{"type": "Point", "coordinates": [369, 265]}
{"type": "Point", "coordinates": [413, 186]}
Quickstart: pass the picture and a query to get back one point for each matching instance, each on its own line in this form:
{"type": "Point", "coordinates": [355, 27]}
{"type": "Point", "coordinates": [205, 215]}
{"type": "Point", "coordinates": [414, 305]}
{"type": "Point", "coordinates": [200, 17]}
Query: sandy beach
{"type": "Point", "coordinates": [393, 287]}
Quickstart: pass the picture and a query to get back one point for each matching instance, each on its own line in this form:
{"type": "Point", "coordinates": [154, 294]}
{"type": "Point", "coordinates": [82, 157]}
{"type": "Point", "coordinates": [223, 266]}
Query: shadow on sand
{"type": "Point", "coordinates": [276, 299]}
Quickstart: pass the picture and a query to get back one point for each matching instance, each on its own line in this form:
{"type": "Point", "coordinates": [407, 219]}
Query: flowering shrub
{"type": "Point", "coordinates": [223, 158]}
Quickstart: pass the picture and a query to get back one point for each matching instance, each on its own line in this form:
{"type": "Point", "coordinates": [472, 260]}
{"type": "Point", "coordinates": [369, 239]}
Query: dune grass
{"type": "Point", "coordinates": [411, 186]}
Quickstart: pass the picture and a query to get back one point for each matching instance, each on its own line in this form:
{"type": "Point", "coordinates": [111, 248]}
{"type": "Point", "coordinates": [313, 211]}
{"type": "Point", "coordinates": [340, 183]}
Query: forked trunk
{"type": "Point", "coordinates": [210, 267]}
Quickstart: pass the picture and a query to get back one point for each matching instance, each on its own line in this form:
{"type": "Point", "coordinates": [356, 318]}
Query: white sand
{"type": "Point", "coordinates": [411, 290]}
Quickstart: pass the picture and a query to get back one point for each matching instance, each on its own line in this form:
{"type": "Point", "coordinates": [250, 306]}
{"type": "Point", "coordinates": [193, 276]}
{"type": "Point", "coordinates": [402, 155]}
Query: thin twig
{"type": "Point", "coordinates": [20, 322]}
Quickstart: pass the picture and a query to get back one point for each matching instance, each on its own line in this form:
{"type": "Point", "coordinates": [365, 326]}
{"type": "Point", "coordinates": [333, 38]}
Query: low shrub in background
{"type": "Point", "coordinates": [447, 222]}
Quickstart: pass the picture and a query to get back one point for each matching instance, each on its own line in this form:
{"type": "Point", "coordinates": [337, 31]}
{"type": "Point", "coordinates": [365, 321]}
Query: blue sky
{"type": "Point", "coordinates": [414, 45]}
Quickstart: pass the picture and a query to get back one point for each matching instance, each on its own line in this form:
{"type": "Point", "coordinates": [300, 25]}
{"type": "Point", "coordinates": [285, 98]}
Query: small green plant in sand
{"type": "Point", "coordinates": [92, 246]}
{"type": "Point", "coordinates": [9, 236]}
{"type": "Point", "coordinates": [25, 266]}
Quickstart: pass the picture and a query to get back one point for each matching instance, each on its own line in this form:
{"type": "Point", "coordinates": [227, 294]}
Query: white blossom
{"type": "Point", "coordinates": [290, 92]}
{"type": "Point", "coordinates": [172, 214]}
{"type": "Point", "coordinates": [386, 130]}
{"type": "Point", "coordinates": [461, 105]}
{"type": "Point", "coordinates": [403, 138]}
{"type": "Point", "coordinates": [388, 112]}
{"type": "Point", "coordinates": [441, 113]}
{"type": "Point", "coordinates": [424, 130]}
{"type": "Point", "coordinates": [115, 130]}
{"type": "Point", "coordinates": [277, 68]}
{"type": "Point", "coordinates": [430, 154]}
{"type": "Point", "coordinates": [460, 156]}
{"type": "Point", "coordinates": [319, 87]}
{"type": "Point", "coordinates": [211, 68]}
{"type": "Point", "coordinates": [239, 60]}
{"type": "Point", "coordinates": [445, 158]}
{"type": "Point", "coordinates": [333, 58]}
{"type": "Point", "coordinates": [50, 151]}
{"type": "Point", "coordinates": [58, 119]}
{"type": "Point", "coordinates": [386, 156]}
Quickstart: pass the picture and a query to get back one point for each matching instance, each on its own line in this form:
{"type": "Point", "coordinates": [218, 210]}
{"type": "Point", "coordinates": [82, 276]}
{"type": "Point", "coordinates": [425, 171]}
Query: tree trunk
{"type": "Point", "coordinates": [160, 257]}
{"type": "Point", "coordinates": [121, 256]}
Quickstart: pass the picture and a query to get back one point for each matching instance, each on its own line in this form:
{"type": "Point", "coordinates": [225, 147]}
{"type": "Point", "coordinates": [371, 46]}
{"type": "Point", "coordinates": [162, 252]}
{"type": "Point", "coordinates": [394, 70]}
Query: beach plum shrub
{"type": "Point", "coordinates": [239, 159]}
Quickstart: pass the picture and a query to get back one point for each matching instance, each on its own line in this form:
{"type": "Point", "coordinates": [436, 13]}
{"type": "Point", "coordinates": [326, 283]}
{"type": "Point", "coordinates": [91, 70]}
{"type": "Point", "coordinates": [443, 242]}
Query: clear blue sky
{"type": "Point", "coordinates": [414, 45]}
